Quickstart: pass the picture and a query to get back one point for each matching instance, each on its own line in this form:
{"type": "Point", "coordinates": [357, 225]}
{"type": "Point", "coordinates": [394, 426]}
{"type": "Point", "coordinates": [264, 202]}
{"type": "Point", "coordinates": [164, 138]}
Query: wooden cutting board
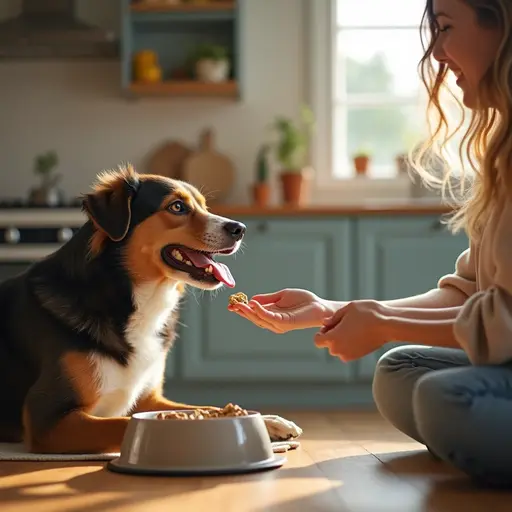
{"type": "Point", "coordinates": [168, 160]}
{"type": "Point", "coordinates": [210, 171]}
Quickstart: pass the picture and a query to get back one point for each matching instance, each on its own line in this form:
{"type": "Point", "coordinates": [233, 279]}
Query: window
{"type": "Point", "coordinates": [365, 88]}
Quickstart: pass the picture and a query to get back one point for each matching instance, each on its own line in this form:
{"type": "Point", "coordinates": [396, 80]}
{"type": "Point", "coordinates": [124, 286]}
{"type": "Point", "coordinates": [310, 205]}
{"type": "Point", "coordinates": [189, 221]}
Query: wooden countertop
{"type": "Point", "coordinates": [364, 208]}
{"type": "Point", "coordinates": [348, 462]}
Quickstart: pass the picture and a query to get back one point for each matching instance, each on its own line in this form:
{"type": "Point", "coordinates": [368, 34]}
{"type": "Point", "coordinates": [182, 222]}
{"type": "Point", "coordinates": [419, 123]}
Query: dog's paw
{"type": "Point", "coordinates": [281, 429]}
{"type": "Point", "coordinates": [284, 446]}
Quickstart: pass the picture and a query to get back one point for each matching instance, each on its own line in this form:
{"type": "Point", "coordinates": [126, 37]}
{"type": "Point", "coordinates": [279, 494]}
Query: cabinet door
{"type": "Point", "coordinates": [219, 345]}
{"type": "Point", "coordinates": [399, 257]}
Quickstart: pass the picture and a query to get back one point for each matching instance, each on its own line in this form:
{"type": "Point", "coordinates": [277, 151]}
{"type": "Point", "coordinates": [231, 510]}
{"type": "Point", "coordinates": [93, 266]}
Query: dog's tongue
{"type": "Point", "coordinates": [220, 271]}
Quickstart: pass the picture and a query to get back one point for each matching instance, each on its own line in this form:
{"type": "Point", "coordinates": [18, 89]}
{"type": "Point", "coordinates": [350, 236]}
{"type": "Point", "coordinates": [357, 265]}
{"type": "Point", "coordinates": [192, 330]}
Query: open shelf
{"type": "Point", "coordinates": [195, 88]}
{"type": "Point", "coordinates": [173, 32]}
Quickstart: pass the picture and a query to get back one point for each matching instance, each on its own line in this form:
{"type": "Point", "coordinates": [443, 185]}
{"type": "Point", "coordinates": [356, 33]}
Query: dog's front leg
{"type": "Point", "coordinates": [75, 433]}
{"type": "Point", "coordinates": [155, 401]}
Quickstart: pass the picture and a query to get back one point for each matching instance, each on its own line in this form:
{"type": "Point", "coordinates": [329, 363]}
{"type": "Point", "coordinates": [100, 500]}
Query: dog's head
{"type": "Point", "coordinates": [163, 228]}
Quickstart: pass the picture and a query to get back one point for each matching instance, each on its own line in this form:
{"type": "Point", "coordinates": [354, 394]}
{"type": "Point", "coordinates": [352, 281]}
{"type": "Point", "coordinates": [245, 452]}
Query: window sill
{"type": "Point", "coordinates": [331, 190]}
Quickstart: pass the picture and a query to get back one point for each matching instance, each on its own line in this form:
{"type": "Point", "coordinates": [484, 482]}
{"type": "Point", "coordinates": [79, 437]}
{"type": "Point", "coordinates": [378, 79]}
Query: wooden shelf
{"type": "Point", "coordinates": [186, 88]}
{"type": "Point", "coordinates": [163, 7]}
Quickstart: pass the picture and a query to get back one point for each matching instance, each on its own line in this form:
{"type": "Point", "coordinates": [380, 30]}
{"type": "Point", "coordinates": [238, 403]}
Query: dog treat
{"type": "Point", "coordinates": [228, 411]}
{"type": "Point", "coordinates": [238, 298]}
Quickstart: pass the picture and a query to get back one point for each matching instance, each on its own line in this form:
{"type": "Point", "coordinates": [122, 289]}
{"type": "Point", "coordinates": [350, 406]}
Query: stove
{"type": "Point", "coordinates": [29, 232]}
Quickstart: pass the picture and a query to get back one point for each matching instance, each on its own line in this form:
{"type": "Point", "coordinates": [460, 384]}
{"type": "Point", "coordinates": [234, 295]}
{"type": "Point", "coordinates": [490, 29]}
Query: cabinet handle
{"type": "Point", "coordinates": [262, 227]}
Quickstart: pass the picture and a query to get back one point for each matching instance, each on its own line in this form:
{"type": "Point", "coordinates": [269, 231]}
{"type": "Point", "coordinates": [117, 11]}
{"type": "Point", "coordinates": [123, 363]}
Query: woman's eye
{"type": "Point", "coordinates": [178, 207]}
{"type": "Point", "coordinates": [444, 29]}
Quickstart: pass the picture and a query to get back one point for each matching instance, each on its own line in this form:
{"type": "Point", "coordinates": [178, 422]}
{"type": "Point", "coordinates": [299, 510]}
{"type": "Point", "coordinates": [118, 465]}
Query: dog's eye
{"type": "Point", "coordinates": [178, 207]}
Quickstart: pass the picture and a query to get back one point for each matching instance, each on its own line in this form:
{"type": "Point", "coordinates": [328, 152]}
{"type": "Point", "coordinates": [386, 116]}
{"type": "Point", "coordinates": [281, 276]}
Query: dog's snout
{"type": "Point", "coordinates": [235, 230]}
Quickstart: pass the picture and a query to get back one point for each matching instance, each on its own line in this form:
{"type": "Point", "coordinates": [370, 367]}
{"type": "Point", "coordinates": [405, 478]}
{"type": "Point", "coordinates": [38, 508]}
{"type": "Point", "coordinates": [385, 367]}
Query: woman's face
{"type": "Point", "coordinates": [464, 45]}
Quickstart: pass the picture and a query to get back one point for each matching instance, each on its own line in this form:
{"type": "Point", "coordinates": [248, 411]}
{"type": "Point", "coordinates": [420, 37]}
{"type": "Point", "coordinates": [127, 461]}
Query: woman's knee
{"type": "Point", "coordinates": [393, 367]}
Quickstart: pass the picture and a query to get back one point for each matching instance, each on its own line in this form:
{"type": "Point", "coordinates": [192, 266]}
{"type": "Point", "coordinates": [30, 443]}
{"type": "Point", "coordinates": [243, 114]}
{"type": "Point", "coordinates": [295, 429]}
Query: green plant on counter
{"type": "Point", "coordinates": [262, 170]}
{"type": "Point", "coordinates": [294, 139]}
{"type": "Point", "coordinates": [363, 151]}
{"type": "Point", "coordinates": [44, 165]}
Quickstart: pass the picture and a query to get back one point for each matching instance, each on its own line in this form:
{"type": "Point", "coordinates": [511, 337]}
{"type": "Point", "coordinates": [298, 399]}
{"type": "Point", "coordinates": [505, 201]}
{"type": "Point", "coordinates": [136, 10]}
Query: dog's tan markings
{"type": "Point", "coordinates": [154, 401]}
{"type": "Point", "coordinates": [78, 432]}
{"type": "Point", "coordinates": [143, 257]}
{"type": "Point", "coordinates": [112, 179]}
{"type": "Point", "coordinates": [80, 372]}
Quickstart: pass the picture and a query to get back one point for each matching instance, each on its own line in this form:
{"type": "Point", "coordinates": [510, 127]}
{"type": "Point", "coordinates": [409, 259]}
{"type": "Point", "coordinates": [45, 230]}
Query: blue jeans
{"type": "Point", "coordinates": [462, 413]}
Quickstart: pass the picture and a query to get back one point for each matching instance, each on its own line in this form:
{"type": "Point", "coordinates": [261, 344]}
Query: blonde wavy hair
{"type": "Point", "coordinates": [487, 142]}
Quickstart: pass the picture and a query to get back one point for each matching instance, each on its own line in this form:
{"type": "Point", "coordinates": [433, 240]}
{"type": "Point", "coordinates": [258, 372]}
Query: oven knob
{"type": "Point", "coordinates": [12, 236]}
{"type": "Point", "coordinates": [65, 234]}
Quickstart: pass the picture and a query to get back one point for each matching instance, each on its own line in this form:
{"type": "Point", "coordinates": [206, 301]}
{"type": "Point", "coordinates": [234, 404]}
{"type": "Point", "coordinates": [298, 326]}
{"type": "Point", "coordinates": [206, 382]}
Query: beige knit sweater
{"type": "Point", "coordinates": [483, 273]}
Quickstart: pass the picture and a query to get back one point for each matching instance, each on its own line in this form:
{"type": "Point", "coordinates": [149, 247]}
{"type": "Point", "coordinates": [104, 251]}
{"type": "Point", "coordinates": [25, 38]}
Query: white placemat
{"type": "Point", "coordinates": [17, 451]}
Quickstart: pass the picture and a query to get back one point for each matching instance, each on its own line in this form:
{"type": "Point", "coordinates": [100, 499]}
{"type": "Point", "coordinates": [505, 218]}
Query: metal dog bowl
{"type": "Point", "coordinates": [225, 445]}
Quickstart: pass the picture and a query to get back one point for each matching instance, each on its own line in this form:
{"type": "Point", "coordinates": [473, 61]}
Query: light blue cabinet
{"type": "Point", "coordinates": [219, 345]}
{"type": "Point", "coordinates": [220, 357]}
{"type": "Point", "coordinates": [401, 257]}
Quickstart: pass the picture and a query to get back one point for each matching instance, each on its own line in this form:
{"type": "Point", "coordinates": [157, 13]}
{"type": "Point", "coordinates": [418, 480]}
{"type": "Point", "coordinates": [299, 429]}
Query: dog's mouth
{"type": "Point", "coordinates": [200, 265]}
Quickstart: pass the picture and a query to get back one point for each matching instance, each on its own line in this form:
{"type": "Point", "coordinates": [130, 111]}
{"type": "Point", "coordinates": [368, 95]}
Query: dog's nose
{"type": "Point", "coordinates": [236, 230]}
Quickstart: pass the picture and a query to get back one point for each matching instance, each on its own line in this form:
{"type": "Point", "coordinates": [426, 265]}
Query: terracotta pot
{"type": "Point", "coordinates": [361, 164]}
{"type": "Point", "coordinates": [295, 187]}
{"type": "Point", "coordinates": [261, 194]}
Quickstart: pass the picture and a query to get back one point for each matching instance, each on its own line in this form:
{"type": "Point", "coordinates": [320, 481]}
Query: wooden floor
{"type": "Point", "coordinates": [348, 462]}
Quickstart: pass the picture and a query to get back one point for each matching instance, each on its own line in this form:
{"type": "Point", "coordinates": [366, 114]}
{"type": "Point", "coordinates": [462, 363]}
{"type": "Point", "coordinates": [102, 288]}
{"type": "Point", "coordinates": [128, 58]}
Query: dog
{"type": "Point", "coordinates": [84, 332]}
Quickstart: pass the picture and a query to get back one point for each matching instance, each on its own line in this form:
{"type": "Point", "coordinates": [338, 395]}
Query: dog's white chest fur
{"type": "Point", "coordinates": [119, 386]}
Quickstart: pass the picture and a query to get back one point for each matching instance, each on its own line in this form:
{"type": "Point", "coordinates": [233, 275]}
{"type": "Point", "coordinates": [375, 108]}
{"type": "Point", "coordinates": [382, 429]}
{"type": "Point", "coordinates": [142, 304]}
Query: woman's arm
{"type": "Point", "coordinates": [436, 298]}
{"type": "Point", "coordinates": [422, 326]}
{"type": "Point", "coordinates": [452, 290]}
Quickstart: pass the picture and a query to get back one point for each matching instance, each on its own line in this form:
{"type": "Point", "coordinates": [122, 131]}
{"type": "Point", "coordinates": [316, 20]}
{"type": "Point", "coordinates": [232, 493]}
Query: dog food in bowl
{"type": "Point", "coordinates": [238, 298]}
{"type": "Point", "coordinates": [229, 411]}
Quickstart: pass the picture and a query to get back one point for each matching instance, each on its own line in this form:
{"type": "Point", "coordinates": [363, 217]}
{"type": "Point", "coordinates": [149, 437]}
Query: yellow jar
{"type": "Point", "coordinates": [152, 74]}
{"type": "Point", "coordinates": [143, 60]}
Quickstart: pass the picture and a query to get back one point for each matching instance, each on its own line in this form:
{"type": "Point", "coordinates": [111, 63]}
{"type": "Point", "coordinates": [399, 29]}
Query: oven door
{"type": "Point", "coordinates": [15, 259]}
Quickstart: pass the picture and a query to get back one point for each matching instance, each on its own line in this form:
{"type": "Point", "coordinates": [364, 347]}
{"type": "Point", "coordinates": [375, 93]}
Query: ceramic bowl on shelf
{"type": "Point", "coordinates": [225, 445]}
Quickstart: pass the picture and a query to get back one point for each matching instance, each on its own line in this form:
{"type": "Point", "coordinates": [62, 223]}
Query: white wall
{"type": "Point", "coordinates": [77, 109]}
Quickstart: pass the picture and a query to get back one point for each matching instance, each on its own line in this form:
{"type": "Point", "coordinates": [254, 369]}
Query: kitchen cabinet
{"type": "Point", "coordinates": [173, 32]}
{"type": "Point", "coordinates": [221, 357]}
{"type": "Point", "coordinates": [219, 345]}
{"type": "Point", "coordinates": [401, 257]}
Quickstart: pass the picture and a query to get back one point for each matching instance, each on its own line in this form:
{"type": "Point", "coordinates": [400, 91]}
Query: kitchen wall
{"type": "Point", "coordinates": [77, 109]}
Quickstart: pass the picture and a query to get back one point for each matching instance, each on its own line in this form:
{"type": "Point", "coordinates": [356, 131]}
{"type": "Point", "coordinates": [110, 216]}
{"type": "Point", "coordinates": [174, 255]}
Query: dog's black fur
{"type": "Point", "coordinates": [71, 301]}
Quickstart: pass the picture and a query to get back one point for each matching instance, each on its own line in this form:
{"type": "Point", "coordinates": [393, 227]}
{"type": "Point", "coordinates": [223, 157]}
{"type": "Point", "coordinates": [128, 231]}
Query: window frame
{"type": "Point", "coordinates": [320, 31]}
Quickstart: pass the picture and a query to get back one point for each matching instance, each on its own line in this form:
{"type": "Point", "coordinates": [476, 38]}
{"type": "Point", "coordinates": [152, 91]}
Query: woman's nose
{"type": "Point", "coordinates": [438, 51]}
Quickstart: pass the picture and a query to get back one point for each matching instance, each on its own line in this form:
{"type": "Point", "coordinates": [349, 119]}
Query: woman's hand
{"type": "Point", "coordinates": [285, 310]}
{"type": "Point", "coordinates": [355, 330]}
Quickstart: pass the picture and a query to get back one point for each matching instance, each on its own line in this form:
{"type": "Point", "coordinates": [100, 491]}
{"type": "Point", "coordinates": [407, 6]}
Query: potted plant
{"type": "Point", "coordinates": [261, 188]}
{"type": "Point", "coordinates": [211, 63]}
{"type": "Point", "coordinates": [362, 159]}
{"type": "Point", "coordinates": [291, 153]}
{"type": "Point", "coordinates": [47, 194]}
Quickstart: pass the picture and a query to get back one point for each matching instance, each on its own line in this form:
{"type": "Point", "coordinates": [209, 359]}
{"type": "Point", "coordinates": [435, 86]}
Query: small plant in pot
{"type": "Point", "coordinates": [362, 159]}
{"type": "Point", "coordinates": [47, 194]}
{"type": "Point", "coordinates": [211, 63]}
{"type": "Point", "coordinates": [261, 188]}
{"type": "Point", "coordinates": [291, 153]}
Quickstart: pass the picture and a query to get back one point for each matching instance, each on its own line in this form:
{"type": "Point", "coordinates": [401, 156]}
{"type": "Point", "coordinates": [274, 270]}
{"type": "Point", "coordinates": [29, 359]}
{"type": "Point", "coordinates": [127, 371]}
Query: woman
{"type": "Point", "coordinates": [452, 389]}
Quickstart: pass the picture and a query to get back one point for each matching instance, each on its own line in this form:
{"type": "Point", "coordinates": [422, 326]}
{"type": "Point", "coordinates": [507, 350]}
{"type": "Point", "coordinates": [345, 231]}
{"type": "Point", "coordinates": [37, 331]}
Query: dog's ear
{"type": "Point", "coordinates": [109, 207]}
